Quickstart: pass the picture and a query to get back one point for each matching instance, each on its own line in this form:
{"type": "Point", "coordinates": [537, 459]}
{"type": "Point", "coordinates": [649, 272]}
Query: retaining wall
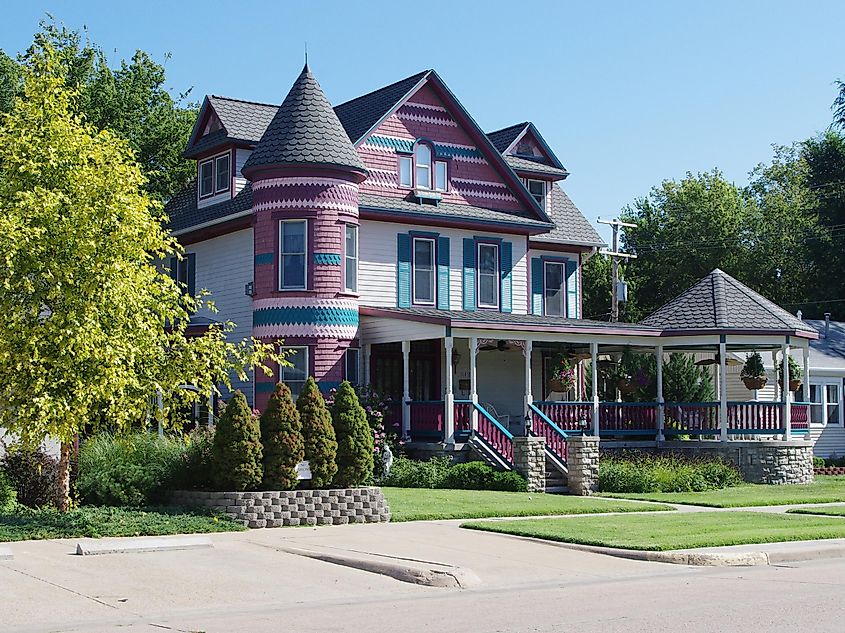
{"type": "Point", "coordinates": [274, 508]}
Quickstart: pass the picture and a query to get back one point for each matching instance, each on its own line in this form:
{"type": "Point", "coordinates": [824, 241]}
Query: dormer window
{"type": "Point", "coordinates": [421, 171]}
{"type": "Point", "coordinates": [422, 158]}
{"type": "Point", "coordinates": [537, 189]}
{"type": "Point", "coordinates": [215, 175]}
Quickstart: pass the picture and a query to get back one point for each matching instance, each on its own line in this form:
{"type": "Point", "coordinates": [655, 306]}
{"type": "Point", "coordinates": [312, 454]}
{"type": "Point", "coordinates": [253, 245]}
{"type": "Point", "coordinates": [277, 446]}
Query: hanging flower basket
{"type": "Point", "coordinates": [794, 384]}
{"type": "Point", "coordinates": [753, 383]}
{"type": "Point", "coordinates": [753, 372]}
{"type": "Point", "coordinates": [562, 375]}
{"type": "Point", "coordinates": [794, 374]}
{"type": "Point", "coordinates": [626, 386]}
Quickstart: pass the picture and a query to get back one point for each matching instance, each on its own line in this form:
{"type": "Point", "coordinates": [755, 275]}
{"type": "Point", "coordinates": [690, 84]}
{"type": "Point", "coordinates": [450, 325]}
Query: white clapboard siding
{"type": "Point", "coordinates": [375, 330]}
{"type": "Point", "coordinates": [377, 268]}
{"type": "Point", "coordinates": [240, 158]}
{"type": "Point", "coordinates": [573, 290]}
{"type": "Point", "coordinates": [224, 265]}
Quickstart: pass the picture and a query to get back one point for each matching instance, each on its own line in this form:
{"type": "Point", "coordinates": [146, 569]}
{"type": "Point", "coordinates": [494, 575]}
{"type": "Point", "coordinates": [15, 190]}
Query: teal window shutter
{"type": "Point", "coordinates": [403, 270]}
{"type": "Point", "coordinates": [536, 285]}
{"type": "Point", "coordinates": [571, 289]}
{"type": "Point", "coordinates": [443, 273]}
{"type": "Point", "coordinates": [507, 276]}
{"type": "Point", "coordinates": [192, 274]}
{"type": "Point", "coordinates": [469, 273]}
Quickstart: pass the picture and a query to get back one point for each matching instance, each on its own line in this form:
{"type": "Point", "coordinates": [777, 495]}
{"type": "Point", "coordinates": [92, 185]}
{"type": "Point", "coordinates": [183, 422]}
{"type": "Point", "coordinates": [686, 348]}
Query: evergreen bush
{"type": "Point", "coordinates": [354, 439]}
{"type": "Point", "coordinates": [34, 474]}
{"type": "Point", "coordinates": [236, 452]}
{"type": "Point", "coordinates": [281, 437]}
{"type": "Point", "coordinates": [318, 433]}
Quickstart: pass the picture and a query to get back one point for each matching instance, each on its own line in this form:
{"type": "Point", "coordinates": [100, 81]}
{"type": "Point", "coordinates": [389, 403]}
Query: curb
{"type": "Point", "coordinates": [142, 544]}
{"type": "Point", "coordinates": [6, 554]}
{"type": "Point", "coordinates": [415, 572]}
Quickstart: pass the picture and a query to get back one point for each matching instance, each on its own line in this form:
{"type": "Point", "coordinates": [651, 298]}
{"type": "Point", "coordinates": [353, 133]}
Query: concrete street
{"type": "Point", "coordinates": [244, 584]}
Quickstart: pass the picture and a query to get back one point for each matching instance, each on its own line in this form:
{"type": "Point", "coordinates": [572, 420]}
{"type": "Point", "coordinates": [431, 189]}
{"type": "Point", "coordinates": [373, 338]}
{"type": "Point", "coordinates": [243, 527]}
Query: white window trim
{"type": "Point", "coordinates": [357, 364]}
{"type": "Point", "coordinates": [410, 160]}
{"type": "Point", "coordinates": [414, 300]}
{"type": "Point", "coordinates": [300, 349]}
{"type": "Point", "coordinates": [563, 288]}
{"type": "Point", "coordinates": [821, 383]}
{"type": "Point", "coordinates": [545, 189]}
{"type": "Point", "coordinates": [347, 257]}
{"type": "Point", "coordinates": [429, 167]}
{"type": "Point", "coordinates": [214, 190]}
{"type": "Point", "coordinates": [445, 186]}
{"type": "Point", "coordinates": [228, 156]}
{"type": "Point", "coordinates": [305, 258]}
{"type": "Point", "coordinates": [202, 163]}
{"type": "Point", "coordinates": [497, 272]}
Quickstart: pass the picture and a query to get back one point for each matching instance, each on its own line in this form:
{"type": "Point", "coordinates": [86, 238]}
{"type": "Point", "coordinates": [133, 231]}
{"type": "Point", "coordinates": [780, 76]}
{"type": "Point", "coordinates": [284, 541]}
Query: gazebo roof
{"type": "Point", "coordinates": [721, 303]}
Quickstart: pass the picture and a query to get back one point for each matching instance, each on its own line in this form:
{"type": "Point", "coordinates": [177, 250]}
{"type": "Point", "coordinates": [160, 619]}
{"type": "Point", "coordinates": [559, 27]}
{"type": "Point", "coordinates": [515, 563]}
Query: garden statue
{"type": "Point", "coordinates": [387, 459]}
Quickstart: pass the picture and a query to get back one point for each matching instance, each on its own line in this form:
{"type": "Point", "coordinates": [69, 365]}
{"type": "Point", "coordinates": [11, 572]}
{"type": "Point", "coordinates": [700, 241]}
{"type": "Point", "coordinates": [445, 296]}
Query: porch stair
{"type": "Point", "coordinates": [485, 453]}
{"type": "Point", "coordinates": [556, 479]}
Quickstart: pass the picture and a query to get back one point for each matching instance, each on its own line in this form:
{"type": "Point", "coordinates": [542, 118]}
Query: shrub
{"type": "Point", "coordinates": [468, 476]}
{"type": "Point", "coordinates": [281, 437]}
{"type": "Point", "coordinates": [236, 452]}
{"type": "Point", "coordinates": [509, 481]}
{"type": "Point", "coordinates": [7, 493]}
{"type": "Point", "coordinates": [409, 473]}
{"type": "Point", "coordinates": [318, 433]}
{"type": "Point", "coordinates": [354, 439]}
{"type": "Point", "coordinates": [818, 462]}
{"type": "Point", "coordinates": [129, 470]}
{"type": "Point", "coordinates": [664, 473]}
{"type": "Point", "coordinates": [195, 468]}
{"type": "Point", "coordinates": [33, 474]}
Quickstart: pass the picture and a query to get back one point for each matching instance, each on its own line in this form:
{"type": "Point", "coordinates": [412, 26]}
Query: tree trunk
{"type": "Point", "coordinates": [63, 488]}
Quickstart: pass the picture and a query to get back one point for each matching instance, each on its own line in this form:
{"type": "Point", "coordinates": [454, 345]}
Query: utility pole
{"type": "Point", "coordinates": [615, 256]}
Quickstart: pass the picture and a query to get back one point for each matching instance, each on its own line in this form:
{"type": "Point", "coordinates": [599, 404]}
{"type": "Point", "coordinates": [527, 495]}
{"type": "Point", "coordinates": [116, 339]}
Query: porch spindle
{"type": "Point", "coordinates": [473, 387]}
{"type": "Point", "coordinates": [723, 390]}
{"type": "Point", "coordinates": [406, 389]}
{"type": "Point", "coordinates": [661, 408]}
{"type": "Point", "coordinates": [806, 390]}
{"type": "Point", "coordinates": [529, 396]}
{"type": "Point", "coordinates": [785, 398]}
{"type": "Point", "coordinates": [594, 386]}
{"type": "Point", "coordinates": [449, 396]}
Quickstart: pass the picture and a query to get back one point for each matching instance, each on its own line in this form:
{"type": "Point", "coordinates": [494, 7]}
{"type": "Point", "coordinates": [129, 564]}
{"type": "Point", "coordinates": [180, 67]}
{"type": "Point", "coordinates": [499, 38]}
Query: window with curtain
{"type": "Point", "coordinates": [554, 288]}
{"type": "Point", "coordinates": [488, 276]}
{"type": "Point", "coordinates": [351, 254]}
{"type": "Point", "coordinates": [293, 247]}
{"type": "Point", "coordinates": [422, 159]}
{"type": "Point", "coordinates": [424, 269]}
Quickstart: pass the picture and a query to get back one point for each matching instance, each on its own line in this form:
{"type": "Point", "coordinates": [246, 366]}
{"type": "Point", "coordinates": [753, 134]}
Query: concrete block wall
{"type": "Point", "coordinates": [274, 508]}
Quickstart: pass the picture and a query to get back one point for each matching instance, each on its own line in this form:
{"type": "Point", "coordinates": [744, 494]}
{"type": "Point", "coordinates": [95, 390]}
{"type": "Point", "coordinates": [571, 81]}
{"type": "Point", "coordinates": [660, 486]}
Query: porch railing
{"type": "Point", "coordinates": [427, 420]}
{"type": "Point", "coordinates": [628, 418]}
{"type": "Point", "coordinates": [690, 418]}
{"type": "Point", "coordinates": [800, 417]}
{"type": "Point", "coordinates": [545, 427]}
{"type": "Point", "coordinates": [463, 420]}
{"type": "Point", "coordinates": [751, 418]}
{"type": "Point", "coordinates": [496, 436]}
{"type": "Point", "coordinates": [572, 417]}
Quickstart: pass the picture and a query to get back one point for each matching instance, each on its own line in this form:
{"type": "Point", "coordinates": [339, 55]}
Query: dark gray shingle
{"type": "Point", "coordinates": [503, 138]}
{"type": "Point", "coordinates": [183, 211]}
{"type": "Point", "coordinates": [571, 227]}
{"type": "Point", "coordinates": [519, 163]}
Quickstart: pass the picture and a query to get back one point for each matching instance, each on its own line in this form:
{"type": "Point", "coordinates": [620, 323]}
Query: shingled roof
{"type": "Point", "coordinates": [571, 227]}
{"type": "Point", "coordinates": [305, 131]}
{"type": "Point", "coordinates": [720, 302]}
{"type": "Point", "coordinates": [184, 213]}
{"type": "Point", "coordinates": [503, 138]}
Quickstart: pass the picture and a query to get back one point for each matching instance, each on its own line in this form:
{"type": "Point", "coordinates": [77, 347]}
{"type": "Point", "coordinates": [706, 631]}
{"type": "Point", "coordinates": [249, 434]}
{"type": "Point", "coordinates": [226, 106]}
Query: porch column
{"type": "Point", "coordinates": [368, 351]}
{"type": "Point", "coordinates": [594, 385]}
{"type": "Point", "coordinates": [806, 390]}
{"type": "Point", "coordinates": [449, 396]}
{"type": "Point", "coordinates": [775, 370]}
{"type": "Point", "coordinates": [723, 390]}
{"type": "Point", "coordinates": [529, 396]}
{"type": "Point", "coordinates": [786, 396]}
{"type": "Point", "coordinates": [473, 386]}
{"type": "Point", "coordinates": [661, 408]}
{"type": "Point", "coordinates": [406, 389]}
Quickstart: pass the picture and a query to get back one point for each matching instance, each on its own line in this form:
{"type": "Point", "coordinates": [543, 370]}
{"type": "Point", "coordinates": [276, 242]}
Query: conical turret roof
{"type": "Point", "coordinates": [305, 131]}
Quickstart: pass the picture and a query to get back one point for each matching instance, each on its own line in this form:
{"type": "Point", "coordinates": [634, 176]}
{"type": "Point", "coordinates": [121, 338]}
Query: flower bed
{"type": "Point", "coordinates": [829, 470]}
{"type": "Point", "coordinates": [274, 508]}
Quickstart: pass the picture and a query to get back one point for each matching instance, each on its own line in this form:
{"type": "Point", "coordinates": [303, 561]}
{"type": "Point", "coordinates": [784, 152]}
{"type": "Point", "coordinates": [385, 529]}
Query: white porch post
{"type": "Point", "coordinates": [775, 370]}
{"type": "Point", "coordinates": [473, 386]}
{"type": "Point", "coordinates": [406, 389]}
{"type": "Point", "coordinates": [806, 390]}
{"type": "Point", "coordinates": [529, 396]}
{"type": "Point", "coordinates": [594, 385]}
{"type": "Point", "coordinates": [723, 390]}
{"type": "Point", "coordinates": [787, 394]}
{"type": "Point", "coordinates": [449, 395]}
{"type": "Point", "coordinates": [661, 409]}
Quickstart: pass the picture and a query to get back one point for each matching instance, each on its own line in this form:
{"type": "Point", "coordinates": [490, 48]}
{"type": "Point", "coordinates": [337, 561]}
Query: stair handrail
{"type": "Point", "coordinates": [495, 422]}
{"type": "Point", "coordinates": [548, 421]}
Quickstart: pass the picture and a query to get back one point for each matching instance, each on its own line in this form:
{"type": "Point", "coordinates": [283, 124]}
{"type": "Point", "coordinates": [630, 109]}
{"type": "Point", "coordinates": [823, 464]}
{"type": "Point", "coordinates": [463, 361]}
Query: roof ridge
{"type": "Point", "coordinates": [508, 127]}
{"type": "Point", "coordinates": [756, 297]}
{"type": "Point", "coordinates": [390, 85]}
{"type": "Point", "coordinates": [720, 316]}
{"type": "Point", "coordinates": [260, 103]}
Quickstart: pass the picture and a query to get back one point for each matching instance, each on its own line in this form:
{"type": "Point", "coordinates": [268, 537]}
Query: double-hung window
{"type": "Point", "coordinates": [424, 271]}
{"type": "Point", "coordinates": [222, 173]}
{"type": "Point", "coordinates": [351, 258]}
{"type": "Point", "coordinates": [440, 179]}
{"type": "Point", "coordinates": [488, 276]}
{"type": "Point", "coordinates": [825, 399]}
{"type": "Point", "coordinates": [295, 375]}
{"type": "Point", "coordinates": [406, 166]}
{"type": "Point", "coordinates": [293, 246]}
{"type": "Point", "coordinates": [215, 175]}
{"type": "Point", "coordinates": [206, 178]}
{"type": "Point", "coordinates": [353, 365]}
{"type": "Point", "coordinates": [422, 160]}
{"type": "Point", "coordinates": [537, 189]}
{"type": "Point", "coordinates": [554, 288]}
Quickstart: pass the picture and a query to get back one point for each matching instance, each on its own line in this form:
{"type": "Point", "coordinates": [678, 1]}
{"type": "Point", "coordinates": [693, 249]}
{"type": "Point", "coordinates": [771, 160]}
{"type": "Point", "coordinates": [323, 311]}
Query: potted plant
{"type": "Point", "coordinates": [753, 373]}
{"type": "Point", "coordinates": [794, 377]}
{"type": "Point", "coordinates": [625, 384]}
{"type": "Point", "coordinates": [562, 376]}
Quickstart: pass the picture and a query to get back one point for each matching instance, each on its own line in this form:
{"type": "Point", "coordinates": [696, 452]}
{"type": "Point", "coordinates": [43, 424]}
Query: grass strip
{"type": "Point", "coordinates": [672, 531]}
{"type": "Point", "coordinates": [833, 511]}
{"type": "Point", "coordinates": [419, 504]}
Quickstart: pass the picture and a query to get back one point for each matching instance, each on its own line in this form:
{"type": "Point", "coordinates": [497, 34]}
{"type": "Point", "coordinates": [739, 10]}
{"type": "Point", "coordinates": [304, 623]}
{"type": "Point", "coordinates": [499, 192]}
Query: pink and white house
{"type": "Point", "coordinates": [389, 240]}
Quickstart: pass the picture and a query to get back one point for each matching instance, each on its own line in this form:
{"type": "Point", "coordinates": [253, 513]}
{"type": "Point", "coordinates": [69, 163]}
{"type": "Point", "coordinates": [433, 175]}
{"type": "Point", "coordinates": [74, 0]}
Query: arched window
{"type": "Point", "coordinates": [422, 159]}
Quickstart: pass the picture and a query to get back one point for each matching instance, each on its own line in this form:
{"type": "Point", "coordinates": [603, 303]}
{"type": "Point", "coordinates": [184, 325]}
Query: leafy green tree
{"type": "Point", "coordinates": [93, 327]}
{"type": "Point", "coordinates": [683, 380]}
{"type": "Point", "coordinates": [318, 433]}
{"type": "Point", "coordinates": [130, 100]}
{"type": "Point", "coordinates": [281, 437]}
{"type": "Point", "coordinates": [597, 287]}
{"type": "Point", "coordinates": [354, 439]}
{"type": "Point", "coordinates": [236, 451]}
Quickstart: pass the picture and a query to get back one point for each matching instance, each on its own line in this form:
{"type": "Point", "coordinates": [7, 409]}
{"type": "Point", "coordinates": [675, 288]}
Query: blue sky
{"type": "Point", "coordinates": [627, 93]}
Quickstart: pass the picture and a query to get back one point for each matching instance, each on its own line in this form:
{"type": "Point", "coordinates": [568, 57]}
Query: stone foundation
{"type": "Point", "coordinates": [529, 460]}
{"type": "Point", "coordinates": [582, 460]}
{"type": "Point", "coordinates": [292, 507]}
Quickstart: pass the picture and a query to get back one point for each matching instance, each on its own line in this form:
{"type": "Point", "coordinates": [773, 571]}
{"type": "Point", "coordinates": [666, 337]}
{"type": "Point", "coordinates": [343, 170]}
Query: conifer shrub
{"type": "Point", "coordinates": [281, 437]}
{"type": "Point", "coordinates": [318, 433]}
{"type": "Point", "coordinates": [354, 439]}
{"type": "Point", "coordinates": [236, 452]}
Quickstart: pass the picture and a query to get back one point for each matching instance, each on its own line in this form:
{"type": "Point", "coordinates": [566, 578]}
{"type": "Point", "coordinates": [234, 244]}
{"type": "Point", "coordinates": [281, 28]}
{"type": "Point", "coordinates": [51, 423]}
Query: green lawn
{"type": "Point", "coordinates": [672, 531]}
{"type": "Point", "coordinates": [97, 522]}
{"type": "Point", "coordinates": [834, 511]}
{"type": "Point", "coordinates": [826, 489]}
{"type": "Point", "coordinates": [416, 504]}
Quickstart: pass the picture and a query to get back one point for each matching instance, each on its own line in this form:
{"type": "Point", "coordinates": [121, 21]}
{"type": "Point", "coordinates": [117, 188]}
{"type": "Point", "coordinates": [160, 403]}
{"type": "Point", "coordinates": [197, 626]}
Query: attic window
{"type": "Point", "coordinates": [537, 189]}
{"type": "Point", "coordinates": [215, 175]}
{"type": "Point", "coordinates": [524, 149]}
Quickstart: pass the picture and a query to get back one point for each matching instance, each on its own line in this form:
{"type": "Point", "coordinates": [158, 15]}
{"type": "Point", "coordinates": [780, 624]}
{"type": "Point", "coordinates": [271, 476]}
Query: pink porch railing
{"type": "Point", "coordinates": [801, 417]}
{"type": "Point", "coordinates": [543, 426]}
{"type": "Point", "coordinates": [568, 416]}
{"type": "Point", "coordinates": [628, 418]}
{"type": "Point", "coordinates": [463, 419]}
{"type": "Point", "coordinates": [755, 417]}
{"type": "Point", "coordinates": [495, 435]}
{"type": "Point", "coordinates": [691, 418]}
{"type": "Point", "coordinates": [427, 417]}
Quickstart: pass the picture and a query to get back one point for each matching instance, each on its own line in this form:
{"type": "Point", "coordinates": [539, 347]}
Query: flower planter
{"type": "Point", "coordinates": [794, 385]}
{"type": "Point", "coordinates": [626, 386]}
{"type": "Point", "coordinates": [558, 385]}
{"type": "Point", "coordinates": [753, 383]}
